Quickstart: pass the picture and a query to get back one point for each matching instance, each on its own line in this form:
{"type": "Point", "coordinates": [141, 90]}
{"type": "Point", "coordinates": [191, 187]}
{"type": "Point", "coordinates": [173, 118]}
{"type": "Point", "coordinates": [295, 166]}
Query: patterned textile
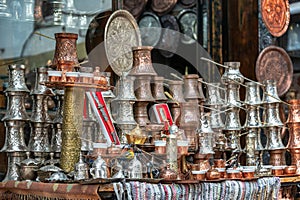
{"type": "Point", "coordinates": [262, 189]}
{"type": "Point", "coordinates": [50, 191]}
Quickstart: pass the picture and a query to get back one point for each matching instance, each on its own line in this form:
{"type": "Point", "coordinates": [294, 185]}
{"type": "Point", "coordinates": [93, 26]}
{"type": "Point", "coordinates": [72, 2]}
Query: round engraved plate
{"type": "Point", "coordinates": [135, 7]}
{"type": "Point", "coordinates": [276, 16]}
{"type": "Point", "coordinates": [150, 28]}
{"type": "Point", "coordinates": [273, 63]}
{"type": "Point", "coordinates": [120, 35]}
{"type": "Point", "coordinates": [170, 38]}
{"type": "Point", "coordinates": [187, 20]}
{"type": "Point", "coordinates": [163, 6]}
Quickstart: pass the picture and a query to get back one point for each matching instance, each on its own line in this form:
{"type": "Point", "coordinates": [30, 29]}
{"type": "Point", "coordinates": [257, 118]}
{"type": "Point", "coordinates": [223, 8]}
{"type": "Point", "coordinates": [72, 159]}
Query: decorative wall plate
{"type": "Point", "coordinates": [135, 7]}
{"type": "Point", "coordinates": [273, 63]}
{"type": "Point", "coordinates": [187, 20]}
{"type": "Point", "coordinates": [150, 28]}
{"type": "Point", "coordinates": [170, 36]}
{"type": "Point", "coordinates": [162, 7]}
{"type": "Point", "coordinates": [276, 15]}
{"type": "Point", "coordinates": [120, 35]}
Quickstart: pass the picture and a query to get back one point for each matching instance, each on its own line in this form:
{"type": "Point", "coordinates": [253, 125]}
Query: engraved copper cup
{"type": "Point", "coordinates": [176, 90]}
{"type": "Point", "coordinates": [294, 137]}
{"type": "Point", "coordinates": [277, 157]}
{"type": "Point", "coordinates": [142, 62]}
{"type": "Point", "coordinates": [201, 94]}
{"type": "Point", "coordinates": [65, 48]}
{"type": "Point", "coordinates": [158, 89]}
{"type": "Point", "coordinates": [143, 89]}
{"type": "Point", "coordinates": [191, 89]}
{"type": "Point", "coordinates": [294, 111]}
{"type": "Point", "coordinates": [295, 154]}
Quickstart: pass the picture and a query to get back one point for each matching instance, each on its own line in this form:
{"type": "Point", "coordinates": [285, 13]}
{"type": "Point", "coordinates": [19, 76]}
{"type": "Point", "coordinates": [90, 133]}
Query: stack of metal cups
{"type": "Point", "coordinates": [40, 121]}
{"type": "Point", "coordinates": [272, 124]}
{"type": "Point", "coordinates": [15, 120]}
{"type": "Point", "coordinates": [143, 72]}
{"type": "Point", "coordinates": [232, 78]}
{"type": "Point", "coordinates": [192, 96]}
{"type": "Point", "coordinates": [293, 122]}
{"type": "Point", "coordinates": [57, 124]}
{"type": "Point", "coordinates": [253, 124]}
{"type": "Point", "coordinates": [123, 106]}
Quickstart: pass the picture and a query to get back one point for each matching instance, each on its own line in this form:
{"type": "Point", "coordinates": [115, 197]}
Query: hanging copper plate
{"type": "Point", "coordinates": [120, 35]}
{"type": "Point", "coordinates": [135, 7]}
{"type": "Point", "coordinates": [163, 6]}
{"type": "Point", "coordinates": [274, 63]}
{"type": "Point", "coordinates": [276, 16]}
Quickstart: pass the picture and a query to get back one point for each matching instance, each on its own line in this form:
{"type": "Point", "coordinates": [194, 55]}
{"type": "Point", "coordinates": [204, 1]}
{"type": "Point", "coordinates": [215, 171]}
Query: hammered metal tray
{"type": "Point", "coordinates": [273, 63]}
{"type": "Point", "coordinates": [120, 35]}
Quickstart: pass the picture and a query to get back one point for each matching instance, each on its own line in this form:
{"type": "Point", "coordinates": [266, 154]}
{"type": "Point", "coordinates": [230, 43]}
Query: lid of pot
{"type": "Point", "coordinates": [29, 161]}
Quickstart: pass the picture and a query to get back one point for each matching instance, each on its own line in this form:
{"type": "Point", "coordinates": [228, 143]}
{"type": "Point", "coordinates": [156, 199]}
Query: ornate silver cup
{"type": "Point", "coordinates": [274, 138]}
{"type": "Point", "coordinates": [86, 137]}
{"type": "Point", "coordinates": [126, 88]}
{"type": "Point", "coordinates": [125, 112]}
{"type": "Point", "coordinates": [15, 106]}
{"type": "Point", "coordinates": [270, 92]}
{"type": "Point", "coordinates": [13, 172]}
{"type": "Point", "coordinates": [232, 121]}
{"type": "Point", "coordinates": [41, 77]}
{"type": "Point", "coordinates": [216, 117]}
{"type": "Point", "coordinates": [271, 115]}
{"type": "Point", "coordinates": [233, 140]}
{"type": "Point", "coordinates": [16, 82]}
{"type": "Point", "coordinates": [14, 140]}
{"type": "Point", "coordinates": [251, 139]}
{"type": "Point", "coordinates": [252, 117]}
{"type": "Point", "coordinates": [57, 123]}
{"type": "Point", "coordinates": [206, 136]}
{"type": "Point", "coordinates": [213, 94]}
{"type": "Point", "coordinates": [252, 96]}
{"type": "Point", "coordinates": [232, 74]}
{"type": "Point", "coordinates": [233, 95]}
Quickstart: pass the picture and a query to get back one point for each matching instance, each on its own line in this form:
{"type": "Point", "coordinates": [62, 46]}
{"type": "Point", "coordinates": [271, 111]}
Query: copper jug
{"type": "Point", "coordinates": [294, 111]}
